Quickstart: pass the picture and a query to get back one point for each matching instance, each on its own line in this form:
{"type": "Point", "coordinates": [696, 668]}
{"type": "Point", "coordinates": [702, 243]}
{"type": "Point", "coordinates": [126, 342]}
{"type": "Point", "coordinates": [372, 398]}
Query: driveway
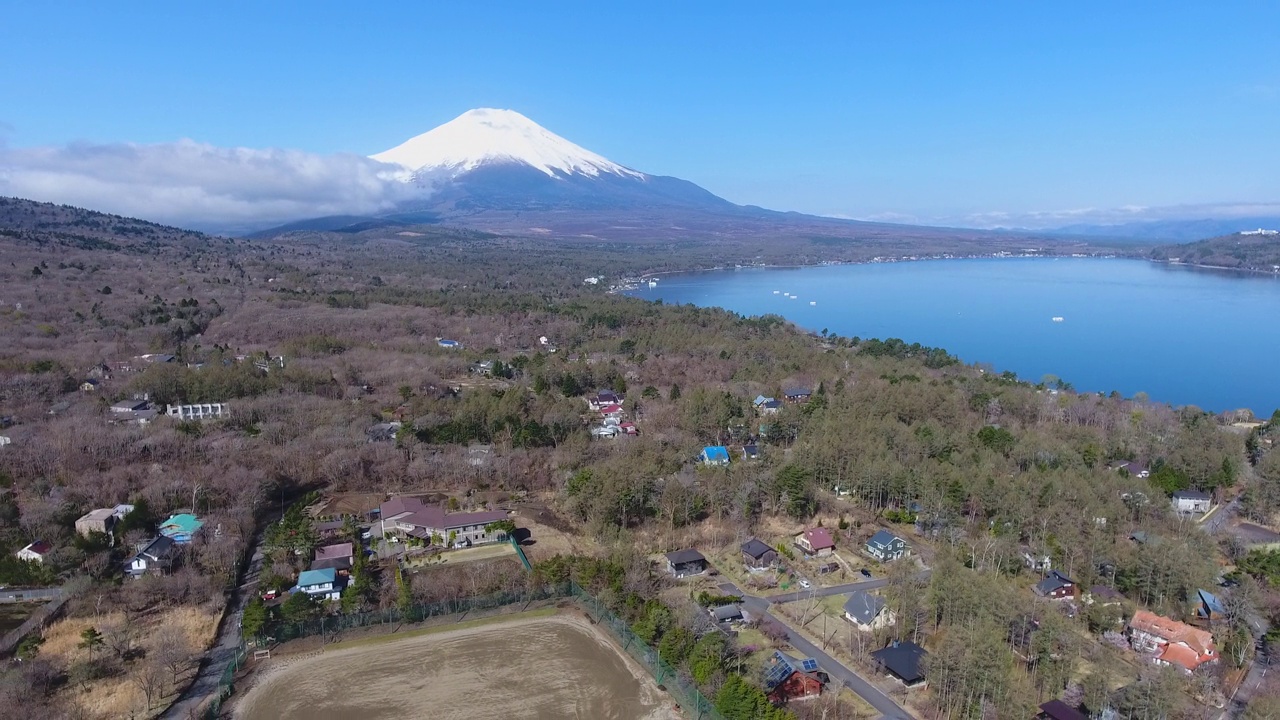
{"type": "Point", "coordinates": [759, 607]}
{"type": "Point", "coordinates": [224, 649]}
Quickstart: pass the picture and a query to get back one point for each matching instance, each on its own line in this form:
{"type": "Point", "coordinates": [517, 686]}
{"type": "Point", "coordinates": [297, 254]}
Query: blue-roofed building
{"type": "Point", "coordinates": [1210, 607]}
{"type": "Point", "coordinates": [450, 344]}
{"type": "Point", "coordinates": [715, 455]}
{"type": "Point", "coordinates": [787, 678]}
{"type": "Point", "coordinates": [322, 584]}
{"type": "Point", "coordinates": [181, 528]}
{"type": "Point", "coordinates": [885, 546]}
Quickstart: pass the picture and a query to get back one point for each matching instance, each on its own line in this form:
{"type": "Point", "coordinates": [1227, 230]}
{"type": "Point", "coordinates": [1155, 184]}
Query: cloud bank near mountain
{"type": "Point", "coordinates": [200, 185]}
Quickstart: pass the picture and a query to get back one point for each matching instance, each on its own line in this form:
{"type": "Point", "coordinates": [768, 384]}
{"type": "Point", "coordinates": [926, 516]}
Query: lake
{"type": "Point", "coordinates": [1182, 335]}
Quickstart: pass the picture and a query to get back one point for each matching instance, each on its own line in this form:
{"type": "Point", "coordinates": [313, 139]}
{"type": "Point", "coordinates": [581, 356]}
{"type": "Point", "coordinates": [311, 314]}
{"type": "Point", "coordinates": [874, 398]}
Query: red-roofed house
{"type": "Point", "coordinates": [35, 552]}
{"type": "Point", "coordinates": [1170, 642]}
{"type": "Point", "coordinates": [410, 516]}
{"type": "Point", "coordinates": [816, 541]}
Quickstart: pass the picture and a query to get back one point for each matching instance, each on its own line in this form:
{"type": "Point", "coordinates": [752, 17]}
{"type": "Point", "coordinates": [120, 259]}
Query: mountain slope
{"type": "Point", "coordinates": [1254, 251]}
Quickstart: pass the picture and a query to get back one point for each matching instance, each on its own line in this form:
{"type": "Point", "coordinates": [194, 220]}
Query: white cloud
{"type": "Point", "coordinates": [1051, 219]}
{"type": "Point", "coordinates": [200, 185]}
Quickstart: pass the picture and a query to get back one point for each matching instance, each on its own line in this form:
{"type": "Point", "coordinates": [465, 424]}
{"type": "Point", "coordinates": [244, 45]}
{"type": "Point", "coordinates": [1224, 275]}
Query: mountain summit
{"type": "Point", "coordinates": [488, 161]}
{"type": "Point", "coordinates": [488, 136]}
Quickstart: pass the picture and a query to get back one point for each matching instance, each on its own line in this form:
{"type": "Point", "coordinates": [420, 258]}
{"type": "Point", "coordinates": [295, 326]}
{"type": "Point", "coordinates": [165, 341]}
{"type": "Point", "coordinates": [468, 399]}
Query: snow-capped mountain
{"type": "Point", "coordinates": [488, 136]}
{"type": "Point", "coordinates": [488, 160]}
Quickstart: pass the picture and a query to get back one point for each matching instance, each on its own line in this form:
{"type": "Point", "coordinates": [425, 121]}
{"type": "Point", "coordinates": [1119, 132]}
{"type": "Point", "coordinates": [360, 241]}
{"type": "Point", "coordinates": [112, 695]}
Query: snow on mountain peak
{"type": "Point", "coordinates": [487, 135]}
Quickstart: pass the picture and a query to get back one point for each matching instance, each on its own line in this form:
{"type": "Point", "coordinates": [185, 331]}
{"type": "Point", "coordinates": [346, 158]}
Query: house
{"type": "Point", "coordinates": [798, 395]}
{"type": "Point", "coordinates": [337, 557]}
{"type": "Point", "coordinates": [787, 678]}
{"type": "Point", "coordinates": [751, 452]}
{"type": "Point", "coordinates": [181, 528]}
{"type": "Point", "coordinates": [411, 517]}
{"type": "Point", "coordinates": [715, 455]}
{"type": "Point", "coordinates": [727, 613]}
{"type": "Point", "coordinates": [383, 432]}
{"type": "Point", "coordinates": [866, 611]}
{"type": "Point", "coordinates": [198, 411]}
{"type": "Point", "coordinates": [1037, 562]}
{"type": "Point", "coordinates": [1132, 467]}
{"type": "Point", "coordinates": [1103, 595]}
{"type": "Point", "coordinates": [320, 584]}
{"type": "Point", "coordinates": [611, 411]}
{"type": "Point", "coordinates": [157, 554]}
{"type": "Point", "coordinates": [1210, 607]}
{"type": "Point", "coordinates": [129, 406]}
{"type": "Point", "coordinates": [1170, 642]}
{"type": "Point", "coordinates": [885, 546]}
{"type": "Point", "coordinates": [479, 454]}
{"type": "Point", "coordinates": [757, 555]}
{"type": "Point", "coordinates": [90, 385]}
{"type": "Point", "coordinates": [816, 541]}
{"type": "Point", "coordinates": [602, 431]}
{"type": "Point", "coordinates": [686, 562]}
{"type": "Point", "coordinates": [1058, 710]}
{"type": "Point", "coordinates": [628, 428]}
{"type": "Point", "coordinates": [102, 520]}
{"type": "Point", "coordinates": [35, 552]}
{"type": "Point", "coordinates": [1055, 587]}
{"type": "Point", "coordinates": [603, 399]}
{"type": "Point", "coordinates": [1191, 501]}
{"type": "Point", "coordinates": [766, 405]}
{"type": "Point", "coordinates": [902, 660]}
{"type": "Point", "coordinates": [448, 344]}
{"type": "Point", "coordinates": [101, 371]}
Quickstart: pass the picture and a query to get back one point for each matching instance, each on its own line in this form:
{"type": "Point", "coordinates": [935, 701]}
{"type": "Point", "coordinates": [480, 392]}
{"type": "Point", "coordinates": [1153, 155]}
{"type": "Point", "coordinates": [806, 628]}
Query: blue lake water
{"type": "Point", "coordinates": [1183, 336]}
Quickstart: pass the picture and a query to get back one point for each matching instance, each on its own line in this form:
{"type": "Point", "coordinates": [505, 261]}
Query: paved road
{"type": "Point", "coordinates": [223, 651]}
{"type": "Point", "coordinates": [855, 682]}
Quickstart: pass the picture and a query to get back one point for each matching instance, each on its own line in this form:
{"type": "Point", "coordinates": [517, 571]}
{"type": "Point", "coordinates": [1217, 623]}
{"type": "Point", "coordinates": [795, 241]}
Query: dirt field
{"type": "Point", "coordinates": [539, 668]}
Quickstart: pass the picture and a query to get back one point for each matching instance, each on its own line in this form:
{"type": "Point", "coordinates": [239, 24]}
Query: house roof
{"type": "Point", "coordinates": [797, 392]}
{"type": "Point", "coordinates": [316, 577]}
{"type": "Point", "coordinates": [902, 659]}
{"type": "Point", "coordinates": [863, 606]}
{"type": "Point", "coordinates": [1190, 495]}
{"type": "Point", "coordinates": [336, 563]}
{"type": "Point", "coordinates": [782, 666]}
{"type": "Point", "coordinates": [883, 538]}
{"type": "Point", "coordinates": [158, 547]}
{"type": "Point", "coordinates": [98, 514]}
{"type": "Point", "coordinates": [715, 452]}
{"type": "Point", "coordinates": [1181, 655]}
{"type": "Point", "coordinates": [610, 409]}
{"type": "Point", "coordinates": [1054, 582]}
{"type": "Point", "coordinates": [413, 511]}
{"type": "Point", "coordinates": [727, 612]}
{"type": "Point", "coordinates": [341, 550]}
{"type": "Point", "coordinates": [1058, 710]}
{"type": "Point", "coordinates": [1107, 593]}
{"type": "Point", "coordinates": [125, 405]}
{"type": "Point", "coordinates": [39, 547]}
{"type": "Point", "coordinates": [1172, 631]}
{"type": "Point", "coordinates": [756, 548]}
{"type": "Point", "coordinates": [760, 400]}
{"type": "Point", "coordinates": [680, 557]}
{"type": "Point", "coordinates": [185, 523]}
{"type": "Point", "coordinates": [819, 538]}
{"type": "Point", "coordinates": [1210, 602]}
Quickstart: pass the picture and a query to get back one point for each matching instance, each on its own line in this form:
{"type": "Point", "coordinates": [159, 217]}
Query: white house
{"type": "Point", "coordinates": [320, 584]}
{"type": "Point", "coordinates": [867, 611]}
{"type": "Point", "coordinates": [1192, 501]}
{"type": "Point", "coordinates": [35, 552]}
{"type": "Point", "coordinates": [156, 555]}
{"type": "Point", "coordinates": [198, 411]}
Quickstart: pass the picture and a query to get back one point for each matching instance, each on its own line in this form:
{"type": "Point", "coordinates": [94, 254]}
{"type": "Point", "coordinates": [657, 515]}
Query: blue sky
{"type": "Point", "coordinates": [917, 111]}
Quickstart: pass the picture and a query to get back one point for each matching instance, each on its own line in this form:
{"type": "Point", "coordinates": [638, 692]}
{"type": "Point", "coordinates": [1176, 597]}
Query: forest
{"type": "Point", "coordinates": [312, 341]}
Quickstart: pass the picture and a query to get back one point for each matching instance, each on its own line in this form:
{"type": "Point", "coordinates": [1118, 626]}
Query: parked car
{"type": "Point", "coordinates": [805, 584]}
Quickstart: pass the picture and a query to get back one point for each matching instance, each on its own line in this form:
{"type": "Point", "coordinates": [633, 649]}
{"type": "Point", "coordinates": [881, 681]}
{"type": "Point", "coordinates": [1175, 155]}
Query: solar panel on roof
{"type": "Point", "coordinates": [809, 664]}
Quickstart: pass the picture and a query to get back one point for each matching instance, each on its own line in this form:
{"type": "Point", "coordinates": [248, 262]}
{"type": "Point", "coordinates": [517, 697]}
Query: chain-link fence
{"type": "Point", "coordinates": [226, 683]}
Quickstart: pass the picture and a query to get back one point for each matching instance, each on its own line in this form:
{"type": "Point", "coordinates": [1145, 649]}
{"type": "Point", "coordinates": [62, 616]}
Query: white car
{"type": "Point", "coordinates": [805, 584]}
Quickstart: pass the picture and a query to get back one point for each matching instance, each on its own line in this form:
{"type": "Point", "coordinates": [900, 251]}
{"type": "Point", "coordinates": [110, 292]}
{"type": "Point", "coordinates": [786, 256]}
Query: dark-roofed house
{"type": "Point", "coordinates": [1055, 586]}
{"type": "Point", "coordinates": [757, 555]}
{"type": "Point", "coordinates": [336, 557]}
{"type": "Point", "coordinates": [1192, 501]}
{"type": "Point", "coordinates": [1103, 595]}
{"type": "Point", "coordinates": [901, 659]}
{"type": "Point", "coordinates": [798, 395]}
{"type": "Point", "coordinates": [35, 552]}
{"type": "Point", "coordinates": [410, 516]}
{"type": "Point", "coordinates": [1058, 710]}
{"type": "Point", "coordinates": [156, 555]}
{"type": "Point", "coordinates": [682, 563]}
{"type": "Point", "coordinates": [787, 678]}
{"type": "Point", "coordinates": [1210, 607]}
{"type": "Point", "coordinates": [885, 546]}
{"type": "Point", "coordinates": [816, 542]}
{"type": "Point", "coordinates": [1132, 467]}
{"type": "Point", "coordinates": [866, 611]}
{"type": "Point", "coordinates": [727, 613]}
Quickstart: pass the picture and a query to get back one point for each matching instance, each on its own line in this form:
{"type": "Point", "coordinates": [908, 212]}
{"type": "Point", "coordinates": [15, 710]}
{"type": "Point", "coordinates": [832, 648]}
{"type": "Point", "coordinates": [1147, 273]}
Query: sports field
{"type": "Point", "coordinates": [542, 668]}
